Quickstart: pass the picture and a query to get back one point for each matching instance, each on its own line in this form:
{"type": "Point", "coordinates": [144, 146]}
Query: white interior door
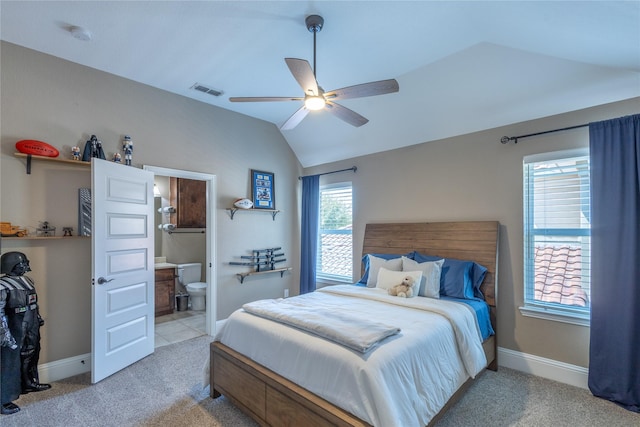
{"type": "Point", "coordinates": [122, 268]}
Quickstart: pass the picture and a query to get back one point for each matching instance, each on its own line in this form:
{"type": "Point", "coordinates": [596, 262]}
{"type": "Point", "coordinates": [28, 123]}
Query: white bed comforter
{"type": "Point", "coordinates": [320, 317]}
{"type": "Point", "coordinates": [404, 381]}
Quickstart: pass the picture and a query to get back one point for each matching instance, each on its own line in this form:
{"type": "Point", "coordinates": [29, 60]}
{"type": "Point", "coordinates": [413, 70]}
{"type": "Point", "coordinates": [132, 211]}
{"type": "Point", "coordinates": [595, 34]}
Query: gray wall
{"type": "Point", "coordinates": [62, 103]}
{"type": "Point", "coordinates": [475, 177]}
{"type": "Point", "coordinates": [470, 177]}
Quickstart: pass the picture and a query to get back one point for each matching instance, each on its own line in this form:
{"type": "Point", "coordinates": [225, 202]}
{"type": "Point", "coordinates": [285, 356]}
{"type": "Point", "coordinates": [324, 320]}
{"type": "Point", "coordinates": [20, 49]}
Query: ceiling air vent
{"type": "Point", "coordinates": [206, 89]}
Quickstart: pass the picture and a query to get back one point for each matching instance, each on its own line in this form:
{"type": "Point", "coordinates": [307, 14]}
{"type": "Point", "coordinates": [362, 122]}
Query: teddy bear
{"type": "Point", "coordinates": [404, 289]}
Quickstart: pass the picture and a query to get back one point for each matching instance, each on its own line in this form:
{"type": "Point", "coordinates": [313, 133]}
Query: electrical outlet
{"type": "Point", "coordinates": [286, 293]}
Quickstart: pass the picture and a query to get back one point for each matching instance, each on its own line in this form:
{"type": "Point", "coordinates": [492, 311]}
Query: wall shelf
{"type": "Point", "coordinates": [273, 212]}
{"type": "Point", "coordinates": [46, 238]}
{"type": "Point", "coordinates": [30, 157]}
{"type": "Point", "coordinates": [242, 276]}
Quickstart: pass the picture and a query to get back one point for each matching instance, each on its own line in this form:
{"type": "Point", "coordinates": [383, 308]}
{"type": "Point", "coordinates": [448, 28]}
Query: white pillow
{"type": "Point", "coordinates": [374, 266]}
{"type": "Point", "coordinates": [431, 271]}
{"type": "Point", "coordinates": [387, 279]}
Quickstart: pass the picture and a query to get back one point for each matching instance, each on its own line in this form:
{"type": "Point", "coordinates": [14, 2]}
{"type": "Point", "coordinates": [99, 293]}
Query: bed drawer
{"type": "Point", "coordinates": [283, 411]}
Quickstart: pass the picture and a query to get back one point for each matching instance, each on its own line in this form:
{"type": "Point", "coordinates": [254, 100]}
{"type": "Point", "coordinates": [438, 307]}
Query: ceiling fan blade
{"type": "Point", "coordinates": [365, 89]}
{"type": "Point", "coordinates": [264, 99]}
{"type": "Point", "coordinates": [303, 74]}
{"type": "Point", "coordinates": [295, 119]}
{"type": "Point", "coordinates": [346, 114]}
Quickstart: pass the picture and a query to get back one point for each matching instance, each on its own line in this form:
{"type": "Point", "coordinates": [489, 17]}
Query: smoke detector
{"type": "Point", "coordinates": [80, 33]}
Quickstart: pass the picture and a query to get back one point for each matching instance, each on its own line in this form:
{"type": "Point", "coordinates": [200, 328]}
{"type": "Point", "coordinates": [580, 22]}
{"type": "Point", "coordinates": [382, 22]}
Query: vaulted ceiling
{"type": "Point", "coordinates": [462, 66]}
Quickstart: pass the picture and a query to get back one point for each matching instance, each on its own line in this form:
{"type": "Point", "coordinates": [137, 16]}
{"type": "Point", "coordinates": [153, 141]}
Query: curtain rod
{"type": "Point", "coordinates": [353, 168]}
{"type": "Point", "coordinates": [506, 139]}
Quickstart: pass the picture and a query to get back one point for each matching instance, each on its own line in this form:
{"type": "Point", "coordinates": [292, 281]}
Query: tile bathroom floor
{"type": "Point", "coordinates": [179, 326]}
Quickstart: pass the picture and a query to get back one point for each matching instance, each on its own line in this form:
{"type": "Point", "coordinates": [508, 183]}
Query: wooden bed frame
{"type": "Point", "coordinates": [272, 400]}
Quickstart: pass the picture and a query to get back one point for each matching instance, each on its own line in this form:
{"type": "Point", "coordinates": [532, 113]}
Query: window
{"type": "Point", "coordinates": [335, 252]}
{"type": "Point", "coordinates": [557, 236]}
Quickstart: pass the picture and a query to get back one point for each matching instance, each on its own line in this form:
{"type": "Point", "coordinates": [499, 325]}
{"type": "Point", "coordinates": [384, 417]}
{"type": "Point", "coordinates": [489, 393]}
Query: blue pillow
{"type": "Point", "coordinates": [365, 261]}
{"type": "Point", "coordinates": [459, 279]}
{"type": "Point", "coordinates": [479, 271]}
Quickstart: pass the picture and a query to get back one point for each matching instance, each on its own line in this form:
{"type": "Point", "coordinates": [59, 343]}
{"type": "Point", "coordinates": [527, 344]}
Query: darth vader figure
{"type": "Point", "coordinates": [20, 324]}
{"type": "Point", "coordinates": [93, 148]}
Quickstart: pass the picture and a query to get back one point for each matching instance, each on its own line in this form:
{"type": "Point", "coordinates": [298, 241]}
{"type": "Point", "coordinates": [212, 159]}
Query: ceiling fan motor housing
{"type": "Point", "coordinates": [314, 23]}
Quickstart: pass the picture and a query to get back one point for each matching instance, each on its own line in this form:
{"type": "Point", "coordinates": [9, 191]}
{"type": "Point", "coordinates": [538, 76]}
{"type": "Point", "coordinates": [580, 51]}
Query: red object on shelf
{"type": "Point", "coordinates": [38, 148]}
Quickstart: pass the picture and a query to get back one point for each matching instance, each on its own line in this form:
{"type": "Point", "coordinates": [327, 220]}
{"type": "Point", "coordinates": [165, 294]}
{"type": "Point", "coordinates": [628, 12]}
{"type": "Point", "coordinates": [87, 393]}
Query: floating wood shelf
{"type": "Point", "coordinates": [242, 276]}
{"type": "Point", "coordinates": [46, 238]}
{"type": "Point", "coordinates": [273, 212]}
{"type": "Point", "coordinates": [29, 157]}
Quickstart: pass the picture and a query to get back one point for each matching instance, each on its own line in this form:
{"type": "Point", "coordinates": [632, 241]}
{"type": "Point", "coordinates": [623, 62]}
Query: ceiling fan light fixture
{"type": "Point", "coordinates": [315, 97]}
{"type": "Point", "coordinates": [314, 103]}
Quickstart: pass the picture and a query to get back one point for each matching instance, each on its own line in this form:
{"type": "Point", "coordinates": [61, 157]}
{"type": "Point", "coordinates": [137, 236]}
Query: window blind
{"type": "Point", "coordinates": [335, 253]}
{"type": "Point", "coordinates": [557, 230]}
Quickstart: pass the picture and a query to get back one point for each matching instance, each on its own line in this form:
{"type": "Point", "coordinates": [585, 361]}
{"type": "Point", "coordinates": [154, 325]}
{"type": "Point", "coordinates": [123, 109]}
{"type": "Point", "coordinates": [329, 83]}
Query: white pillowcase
{"type": "Point", "coordinates": [431, 271]}
{"type": "Point", "coordinates": [387, 279]}
{"type": "Point", "coordinates": [374, 266]}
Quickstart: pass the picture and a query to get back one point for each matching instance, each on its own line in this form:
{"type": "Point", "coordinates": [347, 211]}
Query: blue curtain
{"type": "Point", "coordinates": [310, 225]}
{"type": "Point", "coordinates": [614, 354]}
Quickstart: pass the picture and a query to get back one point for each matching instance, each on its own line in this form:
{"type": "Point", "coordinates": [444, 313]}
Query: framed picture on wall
{"type": "Point", "coordinates": [263, 190]}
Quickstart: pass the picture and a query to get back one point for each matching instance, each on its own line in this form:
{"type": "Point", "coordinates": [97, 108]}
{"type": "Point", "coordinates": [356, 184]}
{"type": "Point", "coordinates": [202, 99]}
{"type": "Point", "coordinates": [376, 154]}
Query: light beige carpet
{"type": "Point", "coordinates": [163, 389]}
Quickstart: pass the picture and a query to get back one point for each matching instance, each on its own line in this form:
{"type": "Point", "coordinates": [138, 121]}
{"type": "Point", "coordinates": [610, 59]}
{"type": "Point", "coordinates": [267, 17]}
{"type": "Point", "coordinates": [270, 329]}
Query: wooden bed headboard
{"type": "Point", "coordinates": [469, 240]}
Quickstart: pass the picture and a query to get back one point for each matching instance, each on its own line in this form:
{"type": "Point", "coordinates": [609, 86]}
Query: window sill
{"type": "Point", "coordinates": [555, 315]}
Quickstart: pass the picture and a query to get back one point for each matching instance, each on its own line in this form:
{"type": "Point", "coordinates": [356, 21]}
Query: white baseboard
{"type": "Point", "coordinates": [65, 368]}
{"type": "Point", "coordinates": [543, 367]}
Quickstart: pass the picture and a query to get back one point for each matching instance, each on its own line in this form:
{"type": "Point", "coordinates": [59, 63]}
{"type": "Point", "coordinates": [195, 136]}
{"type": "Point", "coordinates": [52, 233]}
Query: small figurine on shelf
{"type": "Point", "coordinates": [45, 230]}
{"type": "Point", "coordinates": [68, 231]}
{"type": "Point", "coordinates": [117, 158]}
{"type": "Point", "coordinates": [93, 148]}
{"type": "Point", "coordinates": [75, 152]}
{"type": "Point", "coordinates": [8, 230]}
{"type": "Point", "coordinates": [127, 148]}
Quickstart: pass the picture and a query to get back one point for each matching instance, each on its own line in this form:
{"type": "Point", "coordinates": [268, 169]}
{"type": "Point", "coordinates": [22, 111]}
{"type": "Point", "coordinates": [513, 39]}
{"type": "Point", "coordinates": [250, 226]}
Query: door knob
{"type": "Point", "coordinates": [102, 280]}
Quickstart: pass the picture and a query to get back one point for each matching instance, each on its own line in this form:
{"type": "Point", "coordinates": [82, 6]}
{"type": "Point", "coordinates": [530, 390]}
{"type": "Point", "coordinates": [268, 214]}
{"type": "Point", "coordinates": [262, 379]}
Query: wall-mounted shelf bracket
{"type": "Point", "coordinates": [273, 212]}
{"type": "Point", "coordinates": [242, 276]}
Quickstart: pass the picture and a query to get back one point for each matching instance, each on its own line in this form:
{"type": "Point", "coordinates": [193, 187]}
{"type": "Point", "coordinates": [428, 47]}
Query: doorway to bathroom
{"type": "Point", "coordinates": [175, 245]}
{"type": "Point", "coordinates": [179, 326]}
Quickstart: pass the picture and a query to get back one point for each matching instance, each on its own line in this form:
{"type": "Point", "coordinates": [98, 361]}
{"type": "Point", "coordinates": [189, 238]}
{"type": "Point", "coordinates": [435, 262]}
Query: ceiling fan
{"type": "Point", "coordinates": [315, 98]}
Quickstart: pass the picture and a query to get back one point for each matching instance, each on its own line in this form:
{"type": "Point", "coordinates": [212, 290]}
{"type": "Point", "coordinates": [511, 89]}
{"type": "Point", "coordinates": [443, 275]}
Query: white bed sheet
{"type": "Point", "coordinates": [405, 381]}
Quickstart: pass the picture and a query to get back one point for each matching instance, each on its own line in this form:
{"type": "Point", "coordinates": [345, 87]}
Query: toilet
{"type": "Point", "coordinates": [189, 276]}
